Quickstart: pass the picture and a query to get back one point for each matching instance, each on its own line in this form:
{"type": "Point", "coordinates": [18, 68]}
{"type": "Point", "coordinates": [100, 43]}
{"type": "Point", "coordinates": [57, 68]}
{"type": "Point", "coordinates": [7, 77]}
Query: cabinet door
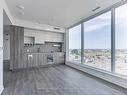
{"type": "Point", "coordinates": [50, 58]}
{"type": "Point", "coordinates": [30, 60]}
{"type": "Point", "coordinates": [35, 60]}
{"type": "Point", "coordinates": [55, 58]}
{"type": "Point", "coordinates": [39, 40]}
{"type": "Point", "coordinates": [25, 63]}
{"type": "Point", "coordinates": [59, 58]}
{"type": "Point", "coordinates": [42, 59]}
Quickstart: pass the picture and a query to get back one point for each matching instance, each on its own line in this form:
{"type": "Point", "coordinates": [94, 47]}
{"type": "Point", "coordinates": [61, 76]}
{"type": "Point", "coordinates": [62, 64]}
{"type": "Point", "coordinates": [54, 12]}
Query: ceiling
{"type": "Point", "coordinates": [62, 13]}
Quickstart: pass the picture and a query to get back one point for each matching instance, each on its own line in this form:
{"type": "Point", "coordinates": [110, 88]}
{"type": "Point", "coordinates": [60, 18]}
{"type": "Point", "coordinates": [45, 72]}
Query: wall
{"type": "Point", "coordinates": [6, 37]}
{"type": "Point", "coordinates": [1, 49]}
{"type": "Point", "coordinates": [2, 6]}
{"type": "Point", "coordinates": [5, 7]}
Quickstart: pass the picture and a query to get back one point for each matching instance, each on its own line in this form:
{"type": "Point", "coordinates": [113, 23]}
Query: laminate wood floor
{"type": "Point", "coordinates": [57, 80]}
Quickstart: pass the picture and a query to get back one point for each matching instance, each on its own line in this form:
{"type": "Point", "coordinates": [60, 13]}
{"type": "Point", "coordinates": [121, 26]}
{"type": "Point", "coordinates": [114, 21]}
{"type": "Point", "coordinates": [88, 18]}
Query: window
{"type": "Point", "coordinates": [75, 44]}
{"type": "Point", "coordinates": [121, 40]}
{"type": "Point", "coordinates": [97, 42]}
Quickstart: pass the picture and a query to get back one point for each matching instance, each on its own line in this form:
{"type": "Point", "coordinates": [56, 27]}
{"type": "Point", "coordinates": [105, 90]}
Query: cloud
{"type": "Point", "coordinates": [92, 28]}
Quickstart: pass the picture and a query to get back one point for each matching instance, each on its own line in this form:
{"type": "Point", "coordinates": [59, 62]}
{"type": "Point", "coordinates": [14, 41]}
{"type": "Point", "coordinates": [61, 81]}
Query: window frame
{"type": "Point", "coordinates": [80, 46]}
{"type": "Point", "coordinates": [112, 9]}
{"type": "Point", "coordinates": [121, 4]}
{"type": "Point", "coordinates": [112, 40]}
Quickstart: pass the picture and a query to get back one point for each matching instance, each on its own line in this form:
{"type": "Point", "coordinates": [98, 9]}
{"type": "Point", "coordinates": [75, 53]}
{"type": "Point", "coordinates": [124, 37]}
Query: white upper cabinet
{"type": "Point", "coordinates": [39, 40]}
{"type": "Point", "coordinates": [43, 36]}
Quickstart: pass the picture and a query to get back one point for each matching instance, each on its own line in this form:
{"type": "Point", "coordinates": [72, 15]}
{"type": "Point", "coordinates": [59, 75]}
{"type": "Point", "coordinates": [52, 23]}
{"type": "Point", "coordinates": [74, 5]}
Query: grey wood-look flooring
{"type": "Point", "coordinates": [57, 80]}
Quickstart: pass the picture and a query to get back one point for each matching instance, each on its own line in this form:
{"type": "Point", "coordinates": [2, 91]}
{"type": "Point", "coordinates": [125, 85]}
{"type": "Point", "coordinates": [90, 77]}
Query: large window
{"type": "Point", "coordinates": [121, 40]}
{"type": "Point", "coordinates": [97, 42]}
{"type": "Point", "coordinates": [75, 44]}
{"type": "Point", "coordinates": [100, 33]}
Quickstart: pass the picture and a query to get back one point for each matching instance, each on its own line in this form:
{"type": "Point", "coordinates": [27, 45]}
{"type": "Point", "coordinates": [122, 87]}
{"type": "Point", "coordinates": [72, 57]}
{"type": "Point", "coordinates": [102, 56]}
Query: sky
{"type": "Point", "coordinates": [97, 32]}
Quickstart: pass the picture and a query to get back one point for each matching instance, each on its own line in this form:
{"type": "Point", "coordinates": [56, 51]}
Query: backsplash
{"type": "Point", "coordinates": [43, 48]}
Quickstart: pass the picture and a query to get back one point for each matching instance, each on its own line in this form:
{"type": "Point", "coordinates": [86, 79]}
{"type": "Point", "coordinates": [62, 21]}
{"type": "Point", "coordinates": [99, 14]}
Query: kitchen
{"type": "Point", "coordinates": [43, 48]}
{"type": "Point", "coordinates": [32, 48]}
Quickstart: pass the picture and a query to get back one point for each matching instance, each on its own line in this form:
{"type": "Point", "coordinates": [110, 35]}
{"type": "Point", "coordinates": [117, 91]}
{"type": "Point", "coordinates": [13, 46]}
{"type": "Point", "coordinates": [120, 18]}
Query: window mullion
{"type": "Point", "coordinates": [113, 40]}
{"type": "Point", "coordinates": [82, 43]}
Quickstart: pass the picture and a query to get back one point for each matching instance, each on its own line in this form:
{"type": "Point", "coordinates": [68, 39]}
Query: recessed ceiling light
{"type": "Point", "coordinates": [20, 7]}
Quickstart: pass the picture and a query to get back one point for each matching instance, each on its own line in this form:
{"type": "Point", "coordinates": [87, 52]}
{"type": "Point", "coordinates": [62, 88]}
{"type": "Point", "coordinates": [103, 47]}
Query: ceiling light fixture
{"type": "Point", "coordinates": [56, 28]}
{"type": "Point", "coordinates": [95, 9]}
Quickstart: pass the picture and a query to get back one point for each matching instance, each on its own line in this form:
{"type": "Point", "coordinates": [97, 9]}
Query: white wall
{"type": "Point", "coordinates": [1, 49]}
{"type": "Point", "coordinates": [2, 6]}
{"type": "Point", "coordinates": [6, 39]}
